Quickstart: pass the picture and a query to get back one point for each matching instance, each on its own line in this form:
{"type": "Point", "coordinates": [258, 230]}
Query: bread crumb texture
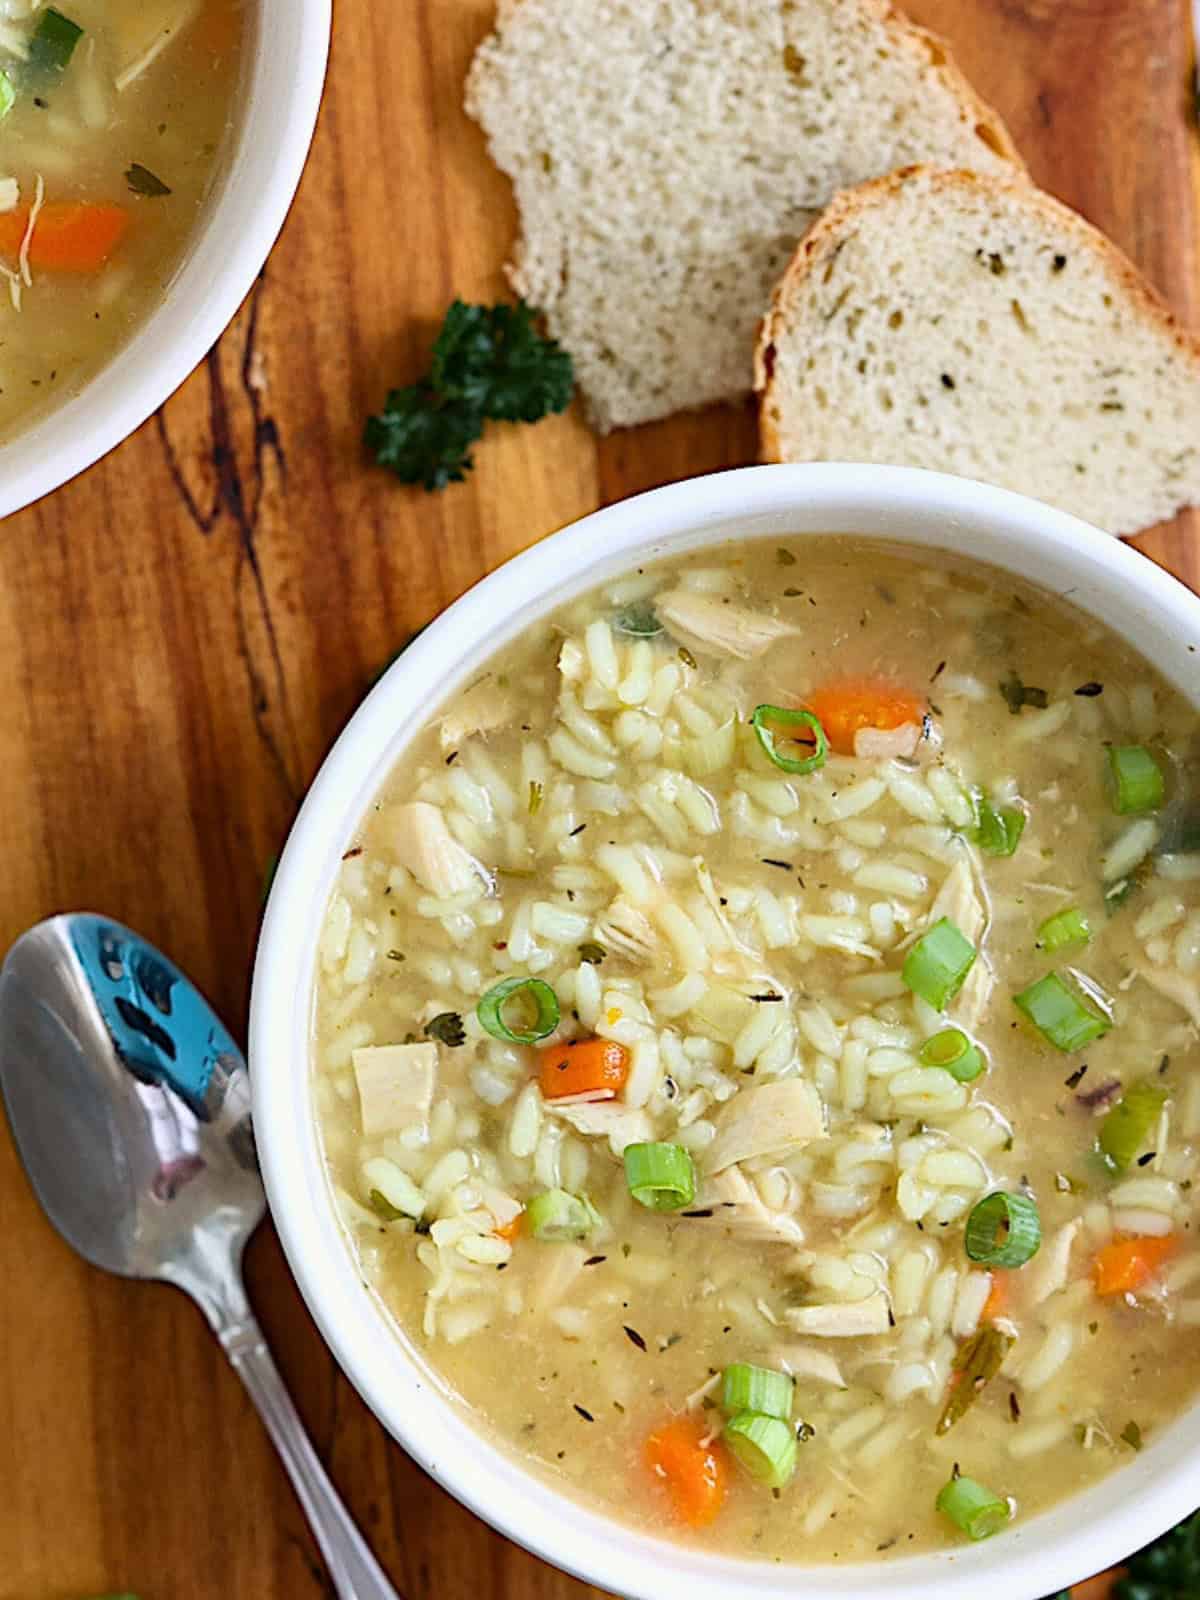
{"type": "Point", "coordinates": [668, 154]}
{"type": "Point", "coordinates": [977, 326]}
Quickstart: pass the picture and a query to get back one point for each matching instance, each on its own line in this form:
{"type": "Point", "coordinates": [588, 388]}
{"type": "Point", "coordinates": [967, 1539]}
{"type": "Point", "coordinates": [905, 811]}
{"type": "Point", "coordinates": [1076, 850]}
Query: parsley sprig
{"type": "Point", "coordinates": [489, 364]}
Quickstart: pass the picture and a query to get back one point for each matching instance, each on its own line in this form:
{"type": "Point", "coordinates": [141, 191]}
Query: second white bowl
{"type": "Point", "coordinates": [925, 510]}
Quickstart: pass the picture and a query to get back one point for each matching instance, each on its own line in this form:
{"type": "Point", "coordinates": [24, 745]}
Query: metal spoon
{"type": "Point", "coordinates": [130, 1107]}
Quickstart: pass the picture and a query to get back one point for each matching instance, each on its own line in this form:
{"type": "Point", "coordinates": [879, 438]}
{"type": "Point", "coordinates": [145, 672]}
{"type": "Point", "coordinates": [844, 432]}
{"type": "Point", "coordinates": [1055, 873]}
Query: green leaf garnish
{"type": "Point", "coordinates": [424, 437]}
{"type": "Point", "coordinates": [144, 182]}
{"type": "Point", "coordinates": [1018, 695]}
{"type": "Point", "coordinates": [493, 358]}
{"type": "Point", "coordinates": [447, 1027]}
{"type": "Point", "coordinates": [488, 362]}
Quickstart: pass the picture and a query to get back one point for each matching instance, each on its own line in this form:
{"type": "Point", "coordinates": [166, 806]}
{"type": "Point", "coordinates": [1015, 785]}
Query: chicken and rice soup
{"type": "Point", "coordinates": [113, 120]}
{"type": "Point", "coordinates": [756, 1049]}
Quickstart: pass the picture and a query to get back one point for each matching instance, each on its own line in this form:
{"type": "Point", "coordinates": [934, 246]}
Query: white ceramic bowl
{"type": "Point", "coordinates": [931, 512]}
{"type": "Point", "coordinates": [289, 48]}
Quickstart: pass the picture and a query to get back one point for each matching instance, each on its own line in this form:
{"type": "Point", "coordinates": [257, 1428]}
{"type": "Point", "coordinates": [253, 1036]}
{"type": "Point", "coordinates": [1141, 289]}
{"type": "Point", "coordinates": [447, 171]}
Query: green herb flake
{"type": "Point", "coordinates": [638, 621]}
{"type": "Point", "coordinates": [52, 45]}
{"type": "Point", "coordinates": [1017, 695]}
{"type": "Point", "coordinates": [447, 1028]}
{"type": "Point", "coordinates": [145, 183]}
{"type": "Point", "coordinates": [592, 954]}
{"type": "Point", "coordinates": [784, 558]}
{"type": "Point", "coordinates": [537, 793]}
{"type": "Point", "coordinates": [1131, 1435]}
{"type": "Point", "coordinates": [383, 1207]}
{"type": "Point", "coordinates": [686, 656]}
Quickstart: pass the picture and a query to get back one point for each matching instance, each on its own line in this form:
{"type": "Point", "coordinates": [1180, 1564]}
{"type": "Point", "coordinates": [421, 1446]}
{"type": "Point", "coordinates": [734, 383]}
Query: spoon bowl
{"type": "Point", "coordinates": [129, 1105]}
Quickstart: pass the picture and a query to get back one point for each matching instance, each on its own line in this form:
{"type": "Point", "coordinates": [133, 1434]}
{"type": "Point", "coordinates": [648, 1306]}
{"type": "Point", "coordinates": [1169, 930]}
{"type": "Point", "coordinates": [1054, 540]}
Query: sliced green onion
{"type": "Point", "coordinates": [1135, 779]}
{"type": "Point", "coordinates": [937, 965]}
{"type": "Point", "coordinates": [954, 1052]}
{"type": "Point", "coordinates": [638, 620]}
{"type": "Point", "coordinates": [785, 718]}
{"type": "Point", "coordinates": [973, 1508]}
{"type": "Point", "coordinates": [661, 1177]}
{"type": "Point", "coordinates": [1064, 930]}
{"type": "Point", "coordinates": [1003, 1230]}
{"type": "Point", "coordinates": [999, 831]}
{"type": "Point", "coordinates": [490, 1010]}
{"type": "Point", "coordinates": [1124, 1129]}
{"type": "Point", "coordinates": [758, 1389]}
{"type": "Point", "coordinates": [53, 43]}
{"type": "Point", "coordinates": [8, 94]}
{"type": "Point", "coordinates": [1063, 1011]}
{"type": "Point", "coordinates": [765, 1446]}
{"type": "Point", "coordinates": [555, 1216]}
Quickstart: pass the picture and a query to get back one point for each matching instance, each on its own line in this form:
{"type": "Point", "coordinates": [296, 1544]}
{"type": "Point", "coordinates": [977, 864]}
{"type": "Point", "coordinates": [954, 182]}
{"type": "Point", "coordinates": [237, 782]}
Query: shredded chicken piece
{"type": "Point", "coordinates": [621, 1125]}
{"type": "Point", "coordinates": [147, 30]}
{"type": "Point", "coordinates": [624, 930]}
{"type": "Point", "coordinates": [395, 1085]}
{"type": "Point", "coordinates": [961, 899]}
{"type": "Point", "coordinates": [424, 844]}
{"type": "Point", "coordinates": [845, 1320]}
{"type": "Point", "coordinates": [560, 1265]}
{"type": "Point", "coordinates": [809, 1365]}
{"type": "Point", "coordinates": [1047, 1274]}
{"type": "Point", "coordinates": [1185, 992]}
{"type": "Point", "coordinates": [696, 1399]}
{"type": "Point", "coordinates": [713, 626]}
{"type": "Point", "coordinates": [762, 1120]}
{"type": "Point", "coordinates": [708, 889]}
{"type": "Point", "coordinates": [483, 708]}
{"type": "Point", "coordinates": [879, 744]}
{"type": "Point", "coordinates": [742, 1210]}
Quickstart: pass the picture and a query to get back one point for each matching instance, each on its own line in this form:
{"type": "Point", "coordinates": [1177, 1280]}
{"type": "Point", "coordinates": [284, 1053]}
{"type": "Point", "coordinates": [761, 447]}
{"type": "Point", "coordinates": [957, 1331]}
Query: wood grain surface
{"type": "Point", "coordinates": [184, 630]}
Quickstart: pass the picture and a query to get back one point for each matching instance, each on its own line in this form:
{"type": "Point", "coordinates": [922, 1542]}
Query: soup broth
{"type": "Point", "coordinates": [864, 1054]}
{"type": "Point", "coordinates": [118, 112]}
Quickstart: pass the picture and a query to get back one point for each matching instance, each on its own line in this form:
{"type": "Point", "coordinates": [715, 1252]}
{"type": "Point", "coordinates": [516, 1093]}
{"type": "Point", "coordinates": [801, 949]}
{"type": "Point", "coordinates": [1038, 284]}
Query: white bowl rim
{"type": "Point", "coordinates": [282, 90]}
{"type": "Point", "coordinates": [1090, 1530]}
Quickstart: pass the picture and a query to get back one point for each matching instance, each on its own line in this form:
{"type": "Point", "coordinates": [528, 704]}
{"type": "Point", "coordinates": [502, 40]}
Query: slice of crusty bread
{"type": "Point", "coordinates": [668, 154]}
{"type": "Point", "coordinates": [973, 324]}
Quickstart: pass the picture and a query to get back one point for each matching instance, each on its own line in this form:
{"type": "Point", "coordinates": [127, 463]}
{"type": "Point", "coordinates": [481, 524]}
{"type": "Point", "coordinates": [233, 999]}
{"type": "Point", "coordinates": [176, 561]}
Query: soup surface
{"type": "Point", "coordinates": [841, 1200]}
{"type": "Point", "coordinates": [113, 118]}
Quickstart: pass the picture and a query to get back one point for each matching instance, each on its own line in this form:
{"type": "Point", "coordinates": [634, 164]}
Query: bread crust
{"type": "Point", "coordinates": [928, 54]}
{"type": "Point", "coordinates": [851, 206]}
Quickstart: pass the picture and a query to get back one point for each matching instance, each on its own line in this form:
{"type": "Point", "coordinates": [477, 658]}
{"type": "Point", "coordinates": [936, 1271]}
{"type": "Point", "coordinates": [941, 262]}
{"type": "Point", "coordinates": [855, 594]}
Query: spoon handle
{"type": "Point", "coordinates": [356, 1574]}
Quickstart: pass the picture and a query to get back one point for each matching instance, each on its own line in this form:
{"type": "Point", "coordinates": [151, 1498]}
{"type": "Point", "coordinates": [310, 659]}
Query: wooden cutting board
{"type": "Point", "coordinates": [184, 630]}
